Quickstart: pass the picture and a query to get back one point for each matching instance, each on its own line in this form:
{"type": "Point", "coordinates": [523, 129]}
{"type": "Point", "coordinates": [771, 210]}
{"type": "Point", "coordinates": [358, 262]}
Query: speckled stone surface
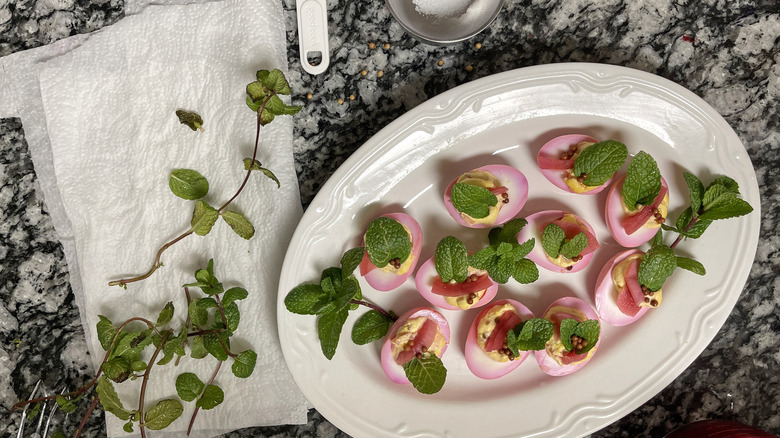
{"type": "Point", "coordinates": [727, 52]}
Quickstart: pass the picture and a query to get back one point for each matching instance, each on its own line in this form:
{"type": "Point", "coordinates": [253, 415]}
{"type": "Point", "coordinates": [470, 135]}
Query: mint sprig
{"type": "Point", "coordinates": [427, 374]}
{"type": "Point", "coordinates": [529, 335]}
{"type": "Point", "coordinates": [588, 331]}
{"type": "Point", "coordinates": [386, 240]}
{"type": "Point", "coordinates": [600, 161]}
{"type": "Point", "coordinates": [451, 260]}
{"type": "Point", "coordinates": [658, 263]}
{"type": "Point", "coordinates": [505, 258]}
{"type": "Point", "coordinates": [474, 201]}
{"type": "Point", "coordinates": [555, 243]}
{"type": "Point", "coordinates": [643, 181]}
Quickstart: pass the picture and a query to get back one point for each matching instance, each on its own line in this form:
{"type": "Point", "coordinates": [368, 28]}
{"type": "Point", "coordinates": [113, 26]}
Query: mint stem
{"type": "Point", "coordinates": [146, 380]}
{"type": "Point", "coordinates": [384, 312]}
{"type": "Point", "coordinates": [197, 408]}
{"type": "Point", "coordinates": [687, 228]}
{"type": "Point", "coordinates": [83, 423]}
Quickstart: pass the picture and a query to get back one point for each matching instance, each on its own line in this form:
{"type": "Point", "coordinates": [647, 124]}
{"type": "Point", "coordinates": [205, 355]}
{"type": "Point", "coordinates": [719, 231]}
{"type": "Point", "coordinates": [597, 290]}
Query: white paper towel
{"type": "Point", "coordinates": [109, 107]}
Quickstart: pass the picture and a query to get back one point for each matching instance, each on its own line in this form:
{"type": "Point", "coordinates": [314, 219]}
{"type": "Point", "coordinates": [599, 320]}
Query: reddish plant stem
{"type": "Point", "coordinates": [155, 265]}
{"type": "Point", "coordinates": [197, 408]}
{"type": "Point", "coordinates": [687, 228]}
{"type": "Point", "coordinates": [157, 350]}
{"type": "Point", "coordinates": [86, 416]}
{"type": "Point", "coordinates": [384, 312]}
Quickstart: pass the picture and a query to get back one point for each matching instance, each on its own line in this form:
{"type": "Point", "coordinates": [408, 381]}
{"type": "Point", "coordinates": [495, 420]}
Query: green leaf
{"type": "Point", "coordinates": [696, 190]}
{"type": "Point", "coordinates": [726, 182]}
{"type": "Point", "coordinates": [474, 201]}
{"type": "Point", "coordinates": [213, 345]}
{"type": "Point", "coordinates": [191, 119]}
{"type": "Point", "coordinates": [206, 280]}
{"type": "Point", "coordinates": [117, 369]}
{"type": "Point", "coordinates": [138, 366]}
{"type": "Point", "coordinates": [502, 270]}
{"type": "Point", "coordinates": [163, 414]}
{"type": "Point", "coordinates": [211, 398]}
{"type": "Point", "coordinates": [507, 233]}
{"type": "Point", "coordinates": [132, 344]}
{"type": "Point", "coordinates": [588, 330]}
{"type": "Point", "coordinates": [105, 332]}
{"type": "Point", "coordinates": [232, 316]}
{"type": "Point", "coordinates": [351, 260]}
{"type": "Point", "coordinates": [308, 299]}
{"type": "Point", "coordinates": [387, 239]}
{"type": "Point", "coordinates": [67, 406]}
{"type": "Point", "coordinates": [334, 277]}
{"type": "Point", "coordinates": [189, 386]}
{"type": "Point", "coordinates": [643, 181]}
{"type": "Point", "coordinates": [656, 266]}
{"type": "Point", "coordinates": [600, 161]}
{"type": "Point", "coordinates": [188, 184]}
{"type": "Point", "coordinates": [198, 311]}
{"type": "Point", "coordinates": [110, 400]}
{"type": "Point", "coordinates": [726, 206]}
{"type": "Point", "coordinates": [522, 250]}
{"type": "Point", "coordinates": [279, 108]}
{"type": "Point", "coordinates": [658, 238]}
{"type": "Point", "coordinates": [166, 314]}
{"type": "Point", "coordinates": [484, 258]}
{"type": "Point", "coordinates": [244, 364]}
{"type": "Point", "coordinates": [573, 247]}
{"type": "Point", "coordinates": [234, 294]}
{"type": "Point", "coordinates": [552, 239]}
{"type": "Point", "coordinates": [530, 335]}
{"type": "Point", "coordinates": [370, 327]}
{"type": "Point", "coordinates": [204, 217]}
{"type": "Point", "coordinates": [329, 329]}
{"type": "Point", "coordinates": [256, 165]}
{"type": "Point", "coordinates": [198, 348]}
{"type": "Point", "coordinates": [451, 260]}
{"type": "Point", "coordinates": [691, 265]}
{"type": "Point", "coordinates": [525, 272]}
{"type": "Point", "coordinates": [128, 427]}
{"type": "Point", "coordinates": [274, 80]}
{"type": "Point", "coordinates": [696, 230]}
{"type": "Point", "coordinates": [239, 224]}
{"type": "Point", "coordinates": [427, 375]}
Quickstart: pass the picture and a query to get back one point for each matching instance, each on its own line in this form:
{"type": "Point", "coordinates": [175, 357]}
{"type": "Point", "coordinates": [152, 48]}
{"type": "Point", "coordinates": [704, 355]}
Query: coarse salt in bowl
{"type": "Point", "coordinates": [441, 22]}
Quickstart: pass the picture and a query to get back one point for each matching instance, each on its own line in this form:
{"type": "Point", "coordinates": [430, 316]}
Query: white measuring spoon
{"type": "Point", "coordinates": [313, 34]}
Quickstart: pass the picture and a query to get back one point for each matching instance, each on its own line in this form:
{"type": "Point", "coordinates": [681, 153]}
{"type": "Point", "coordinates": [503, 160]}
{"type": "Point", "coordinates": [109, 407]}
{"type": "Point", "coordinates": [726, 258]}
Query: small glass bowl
{"type": "Point", "coordinates": [442, 30]}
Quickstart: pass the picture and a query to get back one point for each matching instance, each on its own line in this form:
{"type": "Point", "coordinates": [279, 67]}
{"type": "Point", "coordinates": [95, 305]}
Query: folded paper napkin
{"type": "Point", "coordinates": [109, 107]}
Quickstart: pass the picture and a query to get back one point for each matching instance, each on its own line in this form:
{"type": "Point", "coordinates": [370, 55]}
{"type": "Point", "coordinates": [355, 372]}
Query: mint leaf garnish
{"type": "Point", "coordinates": [525, 272]}
{"type": "Point", "coordinates": [587, 331]}
{"type": "Point", "coordinates": [105, 332]}
{"type": "Point", "coordinates": [274, 80]}
{"type": "Point", "coordinates": [204, 217]}
{"type": "Point", "coordinates": [726, 205]}
{"type": "Point", "coordinates": [191, 119]}
{"type": "Point", "coordinates": [307, 299]}
{"type": "Point", "coordinates": [694, 231]}
{"type": "Point", "coordinates": [331, 280]}
{"type": "Point", "coordinates": [234, 294]}
{"type": "Point", "coordinates": [474, 201]}
{"type": "Point", "coordinates": [427, 375]}
{"type": "Point", "coordinates": [188, 184]}
{"type": "Point", "coordinates": [163, 414]}
{"type": "Point", "coordinates": [696, 190]}
{"type": "Point", "coordinates": [189, 386]}
{"type": "Point", "coordinates": [239, 224]}
{"type": "Point", "coordinates": [371, 327]}
{"type": "Point", "coordinates": [109, 399]}
{"type": "Point", "coordinates": [643, 181]}
{"type": "Point", "coordinates": [552, 239]}
{"type": "Point", "coordinates": [351, 260]}
{"type": "Point", "coordinates": [573, 247]}
{"type": "Point", "coordinates": [691, 265]}
{"type": "Point", "coordinates": [256, 165]}
{"type": "Point", "coordinates": [530, 335]}
{"type": "Point", "coordinates": [329, 330]}
{"type": "Point", "coordinates": [507, 233]}
{"type": "Point", "coordinates": [387, 239]}
{"type": "Point", "coordinates": [599, 162]}
{"type": "Point", "coordinates": [450, 259]}
{"type": "Point", "coordinates": [656, 266]}
{"type": "Point", "coordinates": [727, 182]}
{"type": "Point", "coordinates": [483, 258]}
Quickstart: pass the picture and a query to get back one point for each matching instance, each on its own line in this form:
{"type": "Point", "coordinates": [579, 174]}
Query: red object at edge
{"type": "Point", "coordinates": [718, 429]}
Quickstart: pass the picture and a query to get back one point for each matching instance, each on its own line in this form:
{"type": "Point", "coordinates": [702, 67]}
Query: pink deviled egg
{"type": "Point", "coordinates": [555, 360]}
{"type": "Point", "coordinates": [385, 278]}
{"type": "Point", "coordinates": [421, 330]}
{"type": "Point", "coordinates": [638, 227]}
{"type": "Point", "coordinates": [618, 295]}
{"type": "Point", "coordinates": [484, 355]}
{"type": "Point", "coordinates": [556, 162]}
{"type": "Point", "coordinates": [477, 291]}
{"type": "Point", "coordinates": [572, 225]}
{"type": "Point", "coordinates": [508, 184]}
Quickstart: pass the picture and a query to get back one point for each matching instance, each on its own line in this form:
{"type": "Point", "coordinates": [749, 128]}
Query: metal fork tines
{"type": "Point", "coordinates": [50, 405]}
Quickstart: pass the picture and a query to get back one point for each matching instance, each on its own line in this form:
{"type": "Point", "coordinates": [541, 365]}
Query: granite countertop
{"type": "Point", "coordinates": [727, 52]}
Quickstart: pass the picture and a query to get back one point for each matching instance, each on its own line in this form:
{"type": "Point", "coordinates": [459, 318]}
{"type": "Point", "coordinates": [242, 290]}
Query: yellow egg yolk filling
{"type": "Point", "coordinates": [406, 264]}
{"type": "Point", "coordinates": [408, 331]}
{"type": "Point", "coordinates": [619, 281]}
{"type": "Point", "coordinates": [663, 209]}
{"type": "Point", "coordinates": [462, 301]}
{"type": "Point", "coordinates": [573, 181]}
{"type": "Point", "coordinates": [486, 326]}
{"type": "Point", "coordinates": [554, 346]}
{"type": "Point", "coordinates": [486, 180]}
